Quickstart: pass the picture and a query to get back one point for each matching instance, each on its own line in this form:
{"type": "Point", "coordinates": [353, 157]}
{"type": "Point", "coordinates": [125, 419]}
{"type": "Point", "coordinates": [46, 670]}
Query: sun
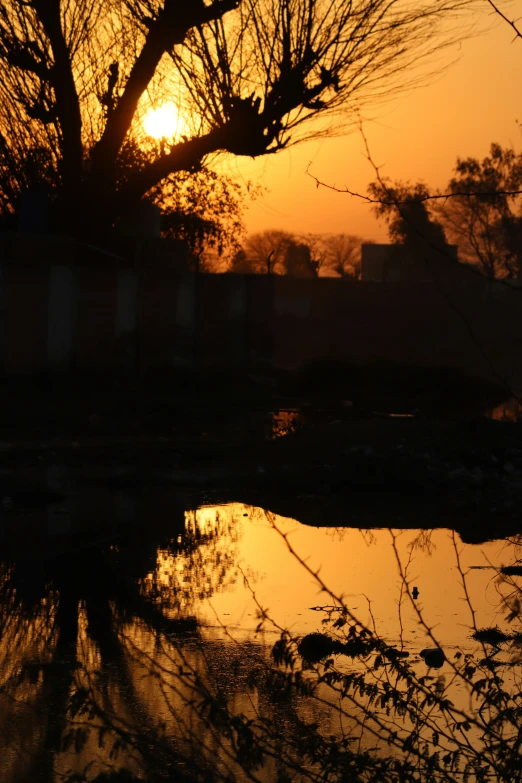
{"type": "Point", "coordinates": [164, 122]}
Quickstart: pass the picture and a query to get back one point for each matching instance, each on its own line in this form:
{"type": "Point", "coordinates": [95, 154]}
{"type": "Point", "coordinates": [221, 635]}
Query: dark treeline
{"type": "Point", "coordinates": [482, 215]}
{"type": "Point", "coordinates": [299, 255]}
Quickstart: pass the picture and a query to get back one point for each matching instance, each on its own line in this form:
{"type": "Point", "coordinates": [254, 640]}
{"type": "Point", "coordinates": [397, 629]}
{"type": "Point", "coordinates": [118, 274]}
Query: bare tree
{"type": "Point", "coordinates": [300, 255]}
{"type": "Point", "coordinates": [344, 254]}
{"type": "Point", "coordinates": [248, 76]}
{"type": "Point", "coordinates": [266, 251]}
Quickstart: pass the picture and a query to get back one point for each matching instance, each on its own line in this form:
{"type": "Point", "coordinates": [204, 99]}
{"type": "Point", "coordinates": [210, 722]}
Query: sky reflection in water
{"type": "Point", "coordinates": [359, 564]}
{"type": "Point", "coordinates": [97, 629]}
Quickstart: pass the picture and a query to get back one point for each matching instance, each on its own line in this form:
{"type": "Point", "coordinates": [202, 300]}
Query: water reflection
{"type": "Point", "coordinates": [65, 624]}
{"type": "Point", "coordinates": [286, 421]}
{"type": "Point", "coordinates": [511, 410]}
{"type": "Point", "coordinates": [161, 651]}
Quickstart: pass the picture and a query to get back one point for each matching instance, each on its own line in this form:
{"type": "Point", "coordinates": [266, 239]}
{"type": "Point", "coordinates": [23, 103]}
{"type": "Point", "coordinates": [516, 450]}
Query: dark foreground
{"type": "Point", "coordinates": [371, 461]}
{"type": "Point", "coordinates": [106, 673]}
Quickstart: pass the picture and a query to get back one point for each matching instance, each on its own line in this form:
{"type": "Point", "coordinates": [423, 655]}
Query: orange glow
{"type": "Point", "coordinates": [417, 136]}
{"type": "Point", "coordinates": [360, 565]}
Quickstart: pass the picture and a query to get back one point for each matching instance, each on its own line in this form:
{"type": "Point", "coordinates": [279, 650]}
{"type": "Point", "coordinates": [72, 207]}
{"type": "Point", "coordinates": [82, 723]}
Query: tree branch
{"type": "Point", "coordinates": [430, 197]}
{"type": "Point", "coordinates": [67, 101]}
{"type": "Point", "coordinates": [169, 29]}
{"type": "Point", "coordinates": [511, 23]}
{"type": "Point", "coordinates": [185, 156]}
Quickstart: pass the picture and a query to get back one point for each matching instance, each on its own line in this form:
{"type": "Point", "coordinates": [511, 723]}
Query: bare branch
{"type": "Point", "coordinates": [429, 197]}
{"type": "Point", "coordinates": [511, 22]}
{"type": "Point", "coordinates": [170, 28]}
{"type": "Point", "coordinates": [247, 76]}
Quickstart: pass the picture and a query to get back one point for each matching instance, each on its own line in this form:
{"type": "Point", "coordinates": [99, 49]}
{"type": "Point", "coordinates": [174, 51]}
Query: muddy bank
{"type": "Point", "coordinates": [373, 446]}
{"type": "Point", "coordinates": [384, 472]}
{"type": "Point", "coordinates": [464, 475]}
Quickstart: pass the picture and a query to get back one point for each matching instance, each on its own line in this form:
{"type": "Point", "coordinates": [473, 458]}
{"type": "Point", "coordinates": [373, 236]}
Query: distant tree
{"type": "Point", "coordinates": [298, 261]}
{"type": "Point", "coordinates": [406, 210]}
{"type": "Point", "coordinates": [344, 254]}
{"type": "Point", "coordinates": [487, 228]}
{"type": "Point", "coordinates": [266, 251]}
{"type": "Point", "coordinates": [239, 263]}
{"type": "Point", "coordinates": [248, 77]}
{"type": "Point", "coordinates": [299, 255]}
{"type": "Point", "coordinates": [318, 252]}
{"type": "Point", "coordinates": [419, 239]}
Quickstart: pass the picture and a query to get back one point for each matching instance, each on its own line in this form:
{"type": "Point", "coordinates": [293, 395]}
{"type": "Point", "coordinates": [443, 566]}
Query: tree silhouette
{"type": "Point", "coordinates": [405, 209]}
{"type": "Point", "coordinates": [265, 251]}
{"type": "Point", "coordinates": [78, 76]}
{"type": "Point", "coordinates": [344, 254]}
{"type": "Point", "coordinates": [203, 209]}
{"type": "Point", "coordinates": [317, 253]}
{"type": "Point", "coordinates": [299, 261]}
{"type": "Point", "coordinates": [419, 239]}
{"type": "Point", "coordinates": [487, 228]}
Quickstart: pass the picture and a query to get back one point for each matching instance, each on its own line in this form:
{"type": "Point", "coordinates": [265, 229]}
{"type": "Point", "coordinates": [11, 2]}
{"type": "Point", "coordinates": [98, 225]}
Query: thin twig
{"type": "Point", "coordinates": [449, 300]}
{"type": "Point", "coordinates": [420, 199]}
{"type": "Point", "coordinates": [511, 23]}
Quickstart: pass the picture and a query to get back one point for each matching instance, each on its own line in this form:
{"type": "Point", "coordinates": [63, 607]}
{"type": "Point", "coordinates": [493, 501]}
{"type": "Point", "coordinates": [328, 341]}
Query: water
{"type": "Point", "coordinates": [360, 565]}
{"type": "Point", "coordinates": [138, 650]}
{"type": "Point", "coordinates": [511, 410]}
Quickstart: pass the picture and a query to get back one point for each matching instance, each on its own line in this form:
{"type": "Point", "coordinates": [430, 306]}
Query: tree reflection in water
{"type": "Point", "coordinates": [75, 627]}
{"type": "Point", "coordinates": [508, 582]}
{"type": "Point", "coordinates": [103, 667]}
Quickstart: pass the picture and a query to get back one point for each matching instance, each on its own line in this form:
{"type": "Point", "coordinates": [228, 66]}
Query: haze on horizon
{"type": "Point", "coordinates": [418, 135]}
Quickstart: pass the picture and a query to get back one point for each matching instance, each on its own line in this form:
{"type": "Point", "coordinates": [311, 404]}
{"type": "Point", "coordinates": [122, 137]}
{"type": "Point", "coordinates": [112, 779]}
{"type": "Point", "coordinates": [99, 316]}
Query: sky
{"type": "Point", "coordinates": [416, 136]}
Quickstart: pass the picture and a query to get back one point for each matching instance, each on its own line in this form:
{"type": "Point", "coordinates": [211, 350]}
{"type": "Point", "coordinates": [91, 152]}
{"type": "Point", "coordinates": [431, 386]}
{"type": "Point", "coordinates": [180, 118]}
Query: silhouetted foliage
{"type": "Point", "coordinates": [265, 252]}
{"type": "Point", "coordinates": [113, 690]}
{"type": "Point", "coordinates": [247, 76]}
{"type": "Point", "coordinates": [482, 214]}
{"type": "Point", "coordinates": [204, 209]}
{"type": "Point", "coordinates": [344, 254]}
{"type": "Point", "coordinates": [419, 237]}
{"type": "Point", "coordinates": [299, 255]}
{"type": "Point", "coordinates": [299, 262]}
{"type": "Point", "coordinates": [487, 228]}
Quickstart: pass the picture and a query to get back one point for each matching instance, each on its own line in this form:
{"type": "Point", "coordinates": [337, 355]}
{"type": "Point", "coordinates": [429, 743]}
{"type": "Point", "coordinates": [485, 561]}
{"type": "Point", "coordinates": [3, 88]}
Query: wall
{"type": "Point", "coordinates": [392, 263]}
{"type": "Point", "coordinates": [70, 308]}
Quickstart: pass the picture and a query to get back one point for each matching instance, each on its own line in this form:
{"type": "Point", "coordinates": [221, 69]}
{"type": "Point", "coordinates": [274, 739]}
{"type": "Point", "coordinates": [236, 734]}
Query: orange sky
{"type": "Point", "coordinates": [417, 136]}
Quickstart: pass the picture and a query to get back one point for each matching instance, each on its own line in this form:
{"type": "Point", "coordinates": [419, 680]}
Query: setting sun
{"type": "Point", "coordinates": [164, 122]}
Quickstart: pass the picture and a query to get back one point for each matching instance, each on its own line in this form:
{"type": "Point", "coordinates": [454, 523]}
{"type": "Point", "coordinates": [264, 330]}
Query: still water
{"type": "Point", "coordinates": [139, 653]}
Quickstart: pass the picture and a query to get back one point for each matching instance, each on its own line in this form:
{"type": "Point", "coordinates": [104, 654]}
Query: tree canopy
{"type": "Point", "coordinates": [405, 209]}
{"type": "Point", "coordinates": [486, 220]}
{"type": "Point", "coordinates": [248, 77]}
{"type": "Point", "coordinates": [480, 211]}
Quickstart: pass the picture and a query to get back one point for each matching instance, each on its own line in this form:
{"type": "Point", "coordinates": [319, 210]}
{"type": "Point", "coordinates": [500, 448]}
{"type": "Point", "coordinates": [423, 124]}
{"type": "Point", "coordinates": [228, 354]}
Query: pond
{"type": "Point", "coordinates": [174, 651]}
